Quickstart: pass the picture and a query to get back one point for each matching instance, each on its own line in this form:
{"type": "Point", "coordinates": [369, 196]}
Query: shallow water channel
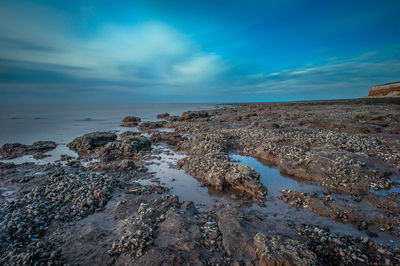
{"type": "Point", "coordinates": [274, 181]}
{"type": "Point", "coordinates": [271, 178]}
{"type": "Point", "coordinates": [187, 188]}
{"type": "Point", "coordinates": [275, 211]}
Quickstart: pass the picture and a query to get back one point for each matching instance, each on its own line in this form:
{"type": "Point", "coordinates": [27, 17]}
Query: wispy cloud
{"type": "Point", "coordinates": [335, 78]}
{"type": "Point", "coordinates": [150, 54]}
{"type": "Point", "coordinates": [41, 55]}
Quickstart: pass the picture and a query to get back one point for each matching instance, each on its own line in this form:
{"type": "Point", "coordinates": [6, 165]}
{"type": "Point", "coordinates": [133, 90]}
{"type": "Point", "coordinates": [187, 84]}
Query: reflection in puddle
{"type": "Point", "coordinates": [271, 177]}
{"type": "Point", "coordinates": [181, 184]}
{"type": "Point", "coordinates": [279, 211]}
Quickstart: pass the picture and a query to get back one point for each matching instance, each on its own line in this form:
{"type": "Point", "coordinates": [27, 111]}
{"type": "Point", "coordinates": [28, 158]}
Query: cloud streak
{"type": "Point", "coordinates": [337, 78]}
{"type": "Point", "coordinates": [149, 59]}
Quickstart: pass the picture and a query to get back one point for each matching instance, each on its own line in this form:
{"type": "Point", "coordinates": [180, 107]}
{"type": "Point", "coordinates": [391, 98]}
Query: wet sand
{"type": "Point", "coordinates": [248, 184]}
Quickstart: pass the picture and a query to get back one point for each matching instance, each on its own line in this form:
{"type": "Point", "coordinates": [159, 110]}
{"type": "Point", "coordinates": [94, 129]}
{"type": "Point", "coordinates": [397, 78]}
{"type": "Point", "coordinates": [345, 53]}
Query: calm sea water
{"type": "Point", "coordinates": [62, 123]}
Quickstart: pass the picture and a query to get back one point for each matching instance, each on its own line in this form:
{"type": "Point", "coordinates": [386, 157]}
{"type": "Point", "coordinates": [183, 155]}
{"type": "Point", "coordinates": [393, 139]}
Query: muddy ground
{"type": "Point", "coordinates": [188, 190]}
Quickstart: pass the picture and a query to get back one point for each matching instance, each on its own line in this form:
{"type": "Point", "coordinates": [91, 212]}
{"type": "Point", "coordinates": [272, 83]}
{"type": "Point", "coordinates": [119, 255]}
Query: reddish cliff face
{"type": "Point", "coordinates": [385, 90]}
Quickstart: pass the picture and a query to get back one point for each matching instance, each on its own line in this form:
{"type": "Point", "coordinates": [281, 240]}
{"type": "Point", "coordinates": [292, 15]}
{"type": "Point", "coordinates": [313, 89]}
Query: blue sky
{"type": "Point", "coordinates": [195, 51]}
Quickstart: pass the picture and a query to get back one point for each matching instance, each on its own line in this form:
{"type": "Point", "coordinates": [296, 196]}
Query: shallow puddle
{"type": "Point", "coordinates": [271, 178]}
{"type": "Point", "coordinates": [275, 211]}
{"type": "Point", "coordinates": [386, 192]}
{"type": "Point", "coordinates": [282, 213]}
{"type": "Point", "coordinates": [181, 184]}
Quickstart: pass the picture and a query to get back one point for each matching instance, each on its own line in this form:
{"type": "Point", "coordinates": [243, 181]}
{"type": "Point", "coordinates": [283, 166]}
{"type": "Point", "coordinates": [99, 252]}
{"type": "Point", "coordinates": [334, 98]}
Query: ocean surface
{"type": "Point", "coordinates": [62, 123]}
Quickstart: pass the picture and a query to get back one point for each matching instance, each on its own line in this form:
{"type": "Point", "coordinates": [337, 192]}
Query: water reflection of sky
{"type": "Point", "coordinates": [271, 178]}
{"type": "Point", "coordinates": [62, 123]}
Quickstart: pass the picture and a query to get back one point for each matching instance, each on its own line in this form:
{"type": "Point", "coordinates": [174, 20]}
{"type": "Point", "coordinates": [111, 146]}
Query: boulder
{"type": "Point", "coordinates": [89, 142]}
{"type": "Point", "coordinates": [42, 146]}
{"type": "Point", "coordinates": [152, 125]}
{"type": "Point", "coordinates": [131, 119]}
{"type": "Point", "coordinates": [163, 115]}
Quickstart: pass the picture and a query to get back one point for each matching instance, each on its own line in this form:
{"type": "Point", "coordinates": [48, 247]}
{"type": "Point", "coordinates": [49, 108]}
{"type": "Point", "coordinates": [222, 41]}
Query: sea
{"type": "Point", "coordinates": [63, 122]}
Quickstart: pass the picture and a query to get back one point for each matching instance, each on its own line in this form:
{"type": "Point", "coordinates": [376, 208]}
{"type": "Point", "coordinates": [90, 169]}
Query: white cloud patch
{"type": "Point", "coordinates": [198, 68]}
{"type": "Point", "coordinates": [151, 53]}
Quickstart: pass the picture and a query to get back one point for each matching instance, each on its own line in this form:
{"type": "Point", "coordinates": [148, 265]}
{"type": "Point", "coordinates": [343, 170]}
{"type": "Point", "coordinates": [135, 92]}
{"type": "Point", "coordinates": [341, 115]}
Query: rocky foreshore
{"type": "Point", "coordinates": [105, 207]}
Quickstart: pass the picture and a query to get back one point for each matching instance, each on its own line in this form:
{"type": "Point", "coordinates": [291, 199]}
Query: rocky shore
{"type": "Point", "coordinates": [105, 207]}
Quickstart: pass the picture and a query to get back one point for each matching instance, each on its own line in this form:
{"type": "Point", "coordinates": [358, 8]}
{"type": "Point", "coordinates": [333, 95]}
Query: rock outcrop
{"type": "Point", "coordinates": [89, 142]}
{"type": "Point", "coordinates": [171, 138]}
{"type": "Point", "coordinates": [126, 147]}
{"type": "Point", "coordinates": [385, 90]}
{"type": "Point", "coordinates": [163, 115]}
{"type": "Point", "coordinates": [152, 125]}
{"type": "Point", "coordinates": [193, 115]}
{"type": "Point", "coordinates": [130, 121]}
{"type": "Point", "coordinates": [38, 148]}
{"type": "Point", "coordinates": [217, 171]}
{"type": "Point", "coordinates": [109, 148]}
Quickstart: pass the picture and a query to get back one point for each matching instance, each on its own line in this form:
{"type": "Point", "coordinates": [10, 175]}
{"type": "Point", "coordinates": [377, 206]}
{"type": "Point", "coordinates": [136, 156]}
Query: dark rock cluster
{"type": "Point", "coordinates": [130, 121]}
{"type": "Point", "coordinates": [38, 148]}
{"type": "Point", "coordinates": [65, 196]}
{"type": "Point", "coordinates": [152, 125]}
{"type": "Point", "coordinates": [163, 115]}
{"type": "Point", "coordinates": [89, 142]}
{"type": "Point", "coordinates": [127, 147]}
{"type": "Point", "coordinates": [108, 147]}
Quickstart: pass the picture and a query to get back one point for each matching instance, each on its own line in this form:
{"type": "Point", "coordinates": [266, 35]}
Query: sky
{"type": "Point", "coordinates": [104, 51]}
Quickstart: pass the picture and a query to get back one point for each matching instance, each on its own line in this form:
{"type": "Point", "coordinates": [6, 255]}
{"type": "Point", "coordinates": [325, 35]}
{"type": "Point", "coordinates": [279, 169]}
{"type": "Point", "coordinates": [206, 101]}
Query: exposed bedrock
{"type": "Point", "coordinates": [385, 90]}
{"type": "Point", "coordinates": [216, 170]}
{"type": "Point", "coordinates": [344, 161]}
{"type": "Point", "coordinates": [108, 147]}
